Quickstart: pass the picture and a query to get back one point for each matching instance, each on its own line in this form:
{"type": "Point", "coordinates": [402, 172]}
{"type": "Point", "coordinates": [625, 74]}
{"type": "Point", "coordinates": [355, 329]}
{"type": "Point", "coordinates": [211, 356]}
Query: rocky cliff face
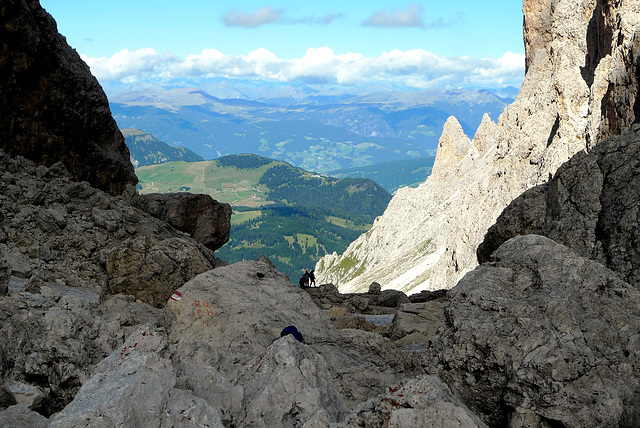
{"type": "Point", "coordinates": [590, 205]}
{"type": "Point", "coordinates": [54, 230]}
{"type": "Point", "coordinates": [51, 107]}
{"type": "Point", "coordinates": [581, 85]}
{"type": "Point", "coordinates": [545, 334]}
{"type": "Point", "coordinates": [542, 337]}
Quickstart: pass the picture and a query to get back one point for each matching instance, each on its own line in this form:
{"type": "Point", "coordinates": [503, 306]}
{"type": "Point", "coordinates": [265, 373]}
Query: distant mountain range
{"type": "Point", "coordinates": [314, 128]}
{"type": "Point", "coordinates": [147, 150]}
{"type": "Point", "coordinates": [292, 216]}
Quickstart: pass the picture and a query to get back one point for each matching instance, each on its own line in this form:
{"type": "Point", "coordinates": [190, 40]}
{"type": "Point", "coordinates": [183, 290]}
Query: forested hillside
{"type": "Point", "coordinates": [292, 216]}
{"type": "Point", "coordinates": [350, 197]}
{"type": "Point", "coordinates": [145, 149]}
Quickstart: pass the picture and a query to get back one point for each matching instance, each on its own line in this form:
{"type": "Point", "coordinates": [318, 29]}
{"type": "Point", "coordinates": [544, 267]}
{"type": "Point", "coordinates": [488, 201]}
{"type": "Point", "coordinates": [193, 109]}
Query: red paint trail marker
{"type": "Point", "coordinates": [176, 295]}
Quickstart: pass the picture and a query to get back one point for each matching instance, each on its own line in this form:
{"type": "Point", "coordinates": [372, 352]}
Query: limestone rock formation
{"type": "Point", "coordinates": [21, 416]}
{"type": "Point", "coordinates": [215, 357]}
{"type": "Point", "coordinates": [327, 295]}
{"type": "Point", "coordinates": [139, 368]}
{"type": "Point", "coordinates": [542, 337]}
{"type": "Point", "coordinates": [246, 305]}
{"type": "Point", "coordinates": [290, 384]}
{"type": "Point", "coordinates": [53, 339]}
{"type": "Point", "coordinates": [56, 230]}
{"type": "Point", "coordinates": [150, 269]}
{"type": "Point", "coordinates": [53, 109]}
{"type": "Point", "coordinates": [581, 86]}
{"type": "Point", "coordinates": [205, 219]}
{"type": "Point", "coordinates": [5, 275]}
{"type": "Point", "coordinates": [591, 205]}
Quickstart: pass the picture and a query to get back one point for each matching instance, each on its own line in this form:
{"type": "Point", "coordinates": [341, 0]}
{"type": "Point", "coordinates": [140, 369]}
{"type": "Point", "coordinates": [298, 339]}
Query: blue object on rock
{"type": "Point", "coordinates": [292, 331]}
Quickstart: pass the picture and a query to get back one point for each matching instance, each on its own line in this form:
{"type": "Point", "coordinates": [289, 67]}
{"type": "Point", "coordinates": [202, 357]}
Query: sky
{"type": "Point", "coordinates": [417, 45]}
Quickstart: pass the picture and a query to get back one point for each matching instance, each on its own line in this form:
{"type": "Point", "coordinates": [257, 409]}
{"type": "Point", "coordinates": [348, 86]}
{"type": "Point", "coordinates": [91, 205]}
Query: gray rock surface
{"type": "Point", "coordinates": [387, 301]}
{"type": "Point", "coordinates": [53, 109]}
{"type": "Point", "coordinates": [244, 307]}
{"type": "Point", "coordinates": [419, 402]}
{"type": "Point", "coordinates": [61, 231]}
{"type": "Point", "coordinates": [5, 275]}
{"type": "Point", "coordinates": [21, 416]}
{"type": "Point", "coordinates": [140, 369]}
{"type": "Point", "coordinates": [591, 205]}
{"type": "Point", "coordinates": [419, 321]}
{"type": "Point", "coordinates": [52, 341]}
{"type": "Point", "coordinates": [205, 219]}
{"type": "Point", "coordinates": [289, 385]}
{"type": "Point", "coordinates": [542, 337]}
{"type": "Point", "coordinates": [150, 269]}
{"type": "Point", "coordinates": [221, 362]}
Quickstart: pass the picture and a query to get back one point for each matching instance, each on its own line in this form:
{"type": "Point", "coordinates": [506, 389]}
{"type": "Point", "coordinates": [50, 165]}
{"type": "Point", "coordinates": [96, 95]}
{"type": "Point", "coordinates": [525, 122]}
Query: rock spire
{"type": "Point", "coordinates": [581, 86]}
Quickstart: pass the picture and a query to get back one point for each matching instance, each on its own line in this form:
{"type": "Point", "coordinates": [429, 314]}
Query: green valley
{"type": "Point", "coordinates": [292, 216]}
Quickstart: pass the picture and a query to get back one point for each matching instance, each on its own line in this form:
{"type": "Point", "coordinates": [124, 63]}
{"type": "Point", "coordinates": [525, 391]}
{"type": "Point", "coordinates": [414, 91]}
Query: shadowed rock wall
{"type": "Point", "coordinates": [51, 107]}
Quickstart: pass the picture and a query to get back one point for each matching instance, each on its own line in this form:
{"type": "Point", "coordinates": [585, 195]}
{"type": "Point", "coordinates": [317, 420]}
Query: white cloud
{"type": "Point", "coordinates": [265, 15]}
{"type": "Point", "coordinates": [411, 17]}
{"type": "Point", "coordinates": [123, 64]}
{"type": "Point", "coordinates": [415, 68]}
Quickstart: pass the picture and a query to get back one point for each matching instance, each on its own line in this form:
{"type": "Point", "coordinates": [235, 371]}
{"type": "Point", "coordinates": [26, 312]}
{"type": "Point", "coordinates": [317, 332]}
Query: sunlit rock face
{"type": "Point", "coordinates": [581, 86]}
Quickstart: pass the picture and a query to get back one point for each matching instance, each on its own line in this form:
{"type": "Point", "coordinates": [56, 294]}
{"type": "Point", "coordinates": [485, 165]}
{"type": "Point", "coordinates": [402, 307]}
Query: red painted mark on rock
{"type": "Point", "coordinates": [203, 310]}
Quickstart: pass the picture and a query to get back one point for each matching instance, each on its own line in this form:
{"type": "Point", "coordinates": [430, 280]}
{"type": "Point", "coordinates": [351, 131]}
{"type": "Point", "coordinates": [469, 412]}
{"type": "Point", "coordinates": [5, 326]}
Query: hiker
{"type": "Point", "coordinates": [306, 277]}
{"type": "Point", "coordinates": [312, 278]}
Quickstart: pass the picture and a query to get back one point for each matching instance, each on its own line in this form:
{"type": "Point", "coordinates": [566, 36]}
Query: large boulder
{"type": "Point", "coordinates": [151, 269]}
{"type": "Point", "coordinates": [591, 205]}
{"type": "Point", "coordinates": [289, 385]}
{"type": "Point", "coordinates": [21, 416]}
{"type": "Point", "coordinates": [205, 219]}
{"type": "Point", "coordinates": [227, 317]}
{"type": "Point", "coordinates": [219, 361]}
{"type": "Point", "coordinates": [52, 340]}
{"type": "Point", "coordinates": [53, 109]}
{"type": "Point", "coordinates": [542, 337]}
{"type": "Point", "coordinates": [134, 387]}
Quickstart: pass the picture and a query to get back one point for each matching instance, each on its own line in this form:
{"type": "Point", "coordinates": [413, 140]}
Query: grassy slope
{"type": "Point", "coordinates": [228, 185]}
{"type": "Point", "coordinates": [292, 240]}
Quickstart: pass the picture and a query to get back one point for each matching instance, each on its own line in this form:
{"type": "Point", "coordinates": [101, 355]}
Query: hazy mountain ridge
{"type": "Point", "coordinates": [316, 132]}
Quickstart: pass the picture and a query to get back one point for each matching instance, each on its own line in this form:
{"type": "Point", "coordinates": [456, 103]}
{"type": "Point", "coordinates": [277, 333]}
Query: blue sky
{"type": "Point", "coordinates": [458, 43]}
